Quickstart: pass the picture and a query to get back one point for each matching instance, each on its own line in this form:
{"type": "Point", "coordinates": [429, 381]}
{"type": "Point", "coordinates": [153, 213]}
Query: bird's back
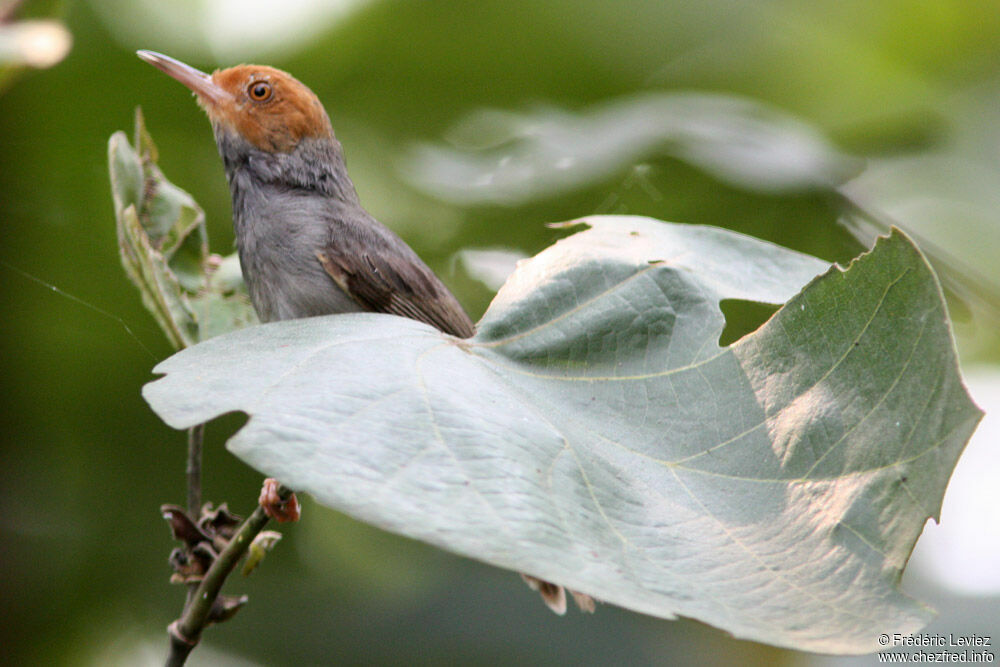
{"type": "Point", "coordinates": [309, 248]}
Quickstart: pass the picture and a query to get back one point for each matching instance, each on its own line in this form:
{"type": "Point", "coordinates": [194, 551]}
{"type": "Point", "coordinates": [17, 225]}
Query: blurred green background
{"type": "Point", "coordinates": [900, 97]}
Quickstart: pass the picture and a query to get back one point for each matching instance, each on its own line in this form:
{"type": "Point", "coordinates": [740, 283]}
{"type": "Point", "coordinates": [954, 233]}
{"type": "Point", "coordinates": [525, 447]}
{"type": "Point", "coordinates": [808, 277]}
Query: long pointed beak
{"type": "Point", "coordinates": [196, 80]}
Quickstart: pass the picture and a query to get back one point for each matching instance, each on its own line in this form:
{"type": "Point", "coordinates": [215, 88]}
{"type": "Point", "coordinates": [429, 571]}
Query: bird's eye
{"type": "Point", "coordinates": [259, 91]}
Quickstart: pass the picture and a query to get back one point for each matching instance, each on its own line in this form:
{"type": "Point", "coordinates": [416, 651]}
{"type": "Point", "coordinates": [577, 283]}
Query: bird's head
{"type": "Point", "coordinates": [268, 108]}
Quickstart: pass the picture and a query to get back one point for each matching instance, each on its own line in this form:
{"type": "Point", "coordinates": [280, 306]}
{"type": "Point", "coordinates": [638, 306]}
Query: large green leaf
{"type": "Point", "coordinates": [594, 434]}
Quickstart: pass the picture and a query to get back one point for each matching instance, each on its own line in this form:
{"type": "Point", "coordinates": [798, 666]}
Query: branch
{"type": "Point", "coordinates": [186, 631]}
{"type": "Point", "coordinates": [196, 436]}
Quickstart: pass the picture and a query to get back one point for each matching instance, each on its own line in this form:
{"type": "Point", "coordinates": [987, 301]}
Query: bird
{"type": "Point", "coordinates": [307, 246]}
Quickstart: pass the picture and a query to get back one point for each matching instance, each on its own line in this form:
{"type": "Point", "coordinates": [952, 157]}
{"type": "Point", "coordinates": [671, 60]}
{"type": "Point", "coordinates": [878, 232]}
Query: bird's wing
{"type": "Point", "coordinates": [398, 285]}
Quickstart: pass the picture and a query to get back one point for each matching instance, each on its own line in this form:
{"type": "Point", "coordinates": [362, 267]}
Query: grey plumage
{"type": "Point", "coordinates": [309, 248]}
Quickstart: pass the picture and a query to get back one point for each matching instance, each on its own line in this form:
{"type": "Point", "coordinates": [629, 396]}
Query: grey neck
{"type": "Point", "coordinates": [316, 165]}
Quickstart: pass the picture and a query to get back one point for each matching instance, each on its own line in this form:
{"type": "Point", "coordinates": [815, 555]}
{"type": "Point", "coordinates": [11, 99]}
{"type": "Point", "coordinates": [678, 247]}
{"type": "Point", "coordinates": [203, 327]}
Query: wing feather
{"type": "Point", "coordinates": [399, 285]}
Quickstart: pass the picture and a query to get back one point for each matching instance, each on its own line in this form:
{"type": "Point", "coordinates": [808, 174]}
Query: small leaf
{"type": "Point", "coordinates": [264, 542]}
{"type": "Point", "coordinates": [593, 433]}
{"type": "Point", "coordinates": [225, 607]}
{"type": "Point", "coordinates": [182, 527]}
{"type": "Point", "coordinates": [126, 172]}
{"type": "Point", "coordinates": [164, 248]}
{"type": "Point", "coordinates": [226, 276]}
{"type": "Point", "coordinates": [161, 291]}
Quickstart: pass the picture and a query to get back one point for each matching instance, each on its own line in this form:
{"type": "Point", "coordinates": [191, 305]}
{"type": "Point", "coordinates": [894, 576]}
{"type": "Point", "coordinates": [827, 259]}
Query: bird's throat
{"type": "Point", "coordinates": [284, 207]}
{"type": "Point", "coordinates": [314, 165]}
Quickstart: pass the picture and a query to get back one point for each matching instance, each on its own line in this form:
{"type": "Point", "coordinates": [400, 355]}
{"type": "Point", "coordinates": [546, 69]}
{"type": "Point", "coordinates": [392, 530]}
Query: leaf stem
{"type": "Point", "coordinates": [186, 631]}
{"type": "Point", "coordinates": [196, 436]}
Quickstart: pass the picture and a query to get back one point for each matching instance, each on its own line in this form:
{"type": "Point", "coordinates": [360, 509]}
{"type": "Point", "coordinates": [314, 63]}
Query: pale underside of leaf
{"type": "Point", "coordinates": [594, 434]}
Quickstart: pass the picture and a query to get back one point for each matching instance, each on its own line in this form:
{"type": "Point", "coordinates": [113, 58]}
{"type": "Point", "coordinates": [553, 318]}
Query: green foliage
{"type": "Point", "coordinates": [162, 241]}
{"type": "Point", "coordinates": [595, 434]}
